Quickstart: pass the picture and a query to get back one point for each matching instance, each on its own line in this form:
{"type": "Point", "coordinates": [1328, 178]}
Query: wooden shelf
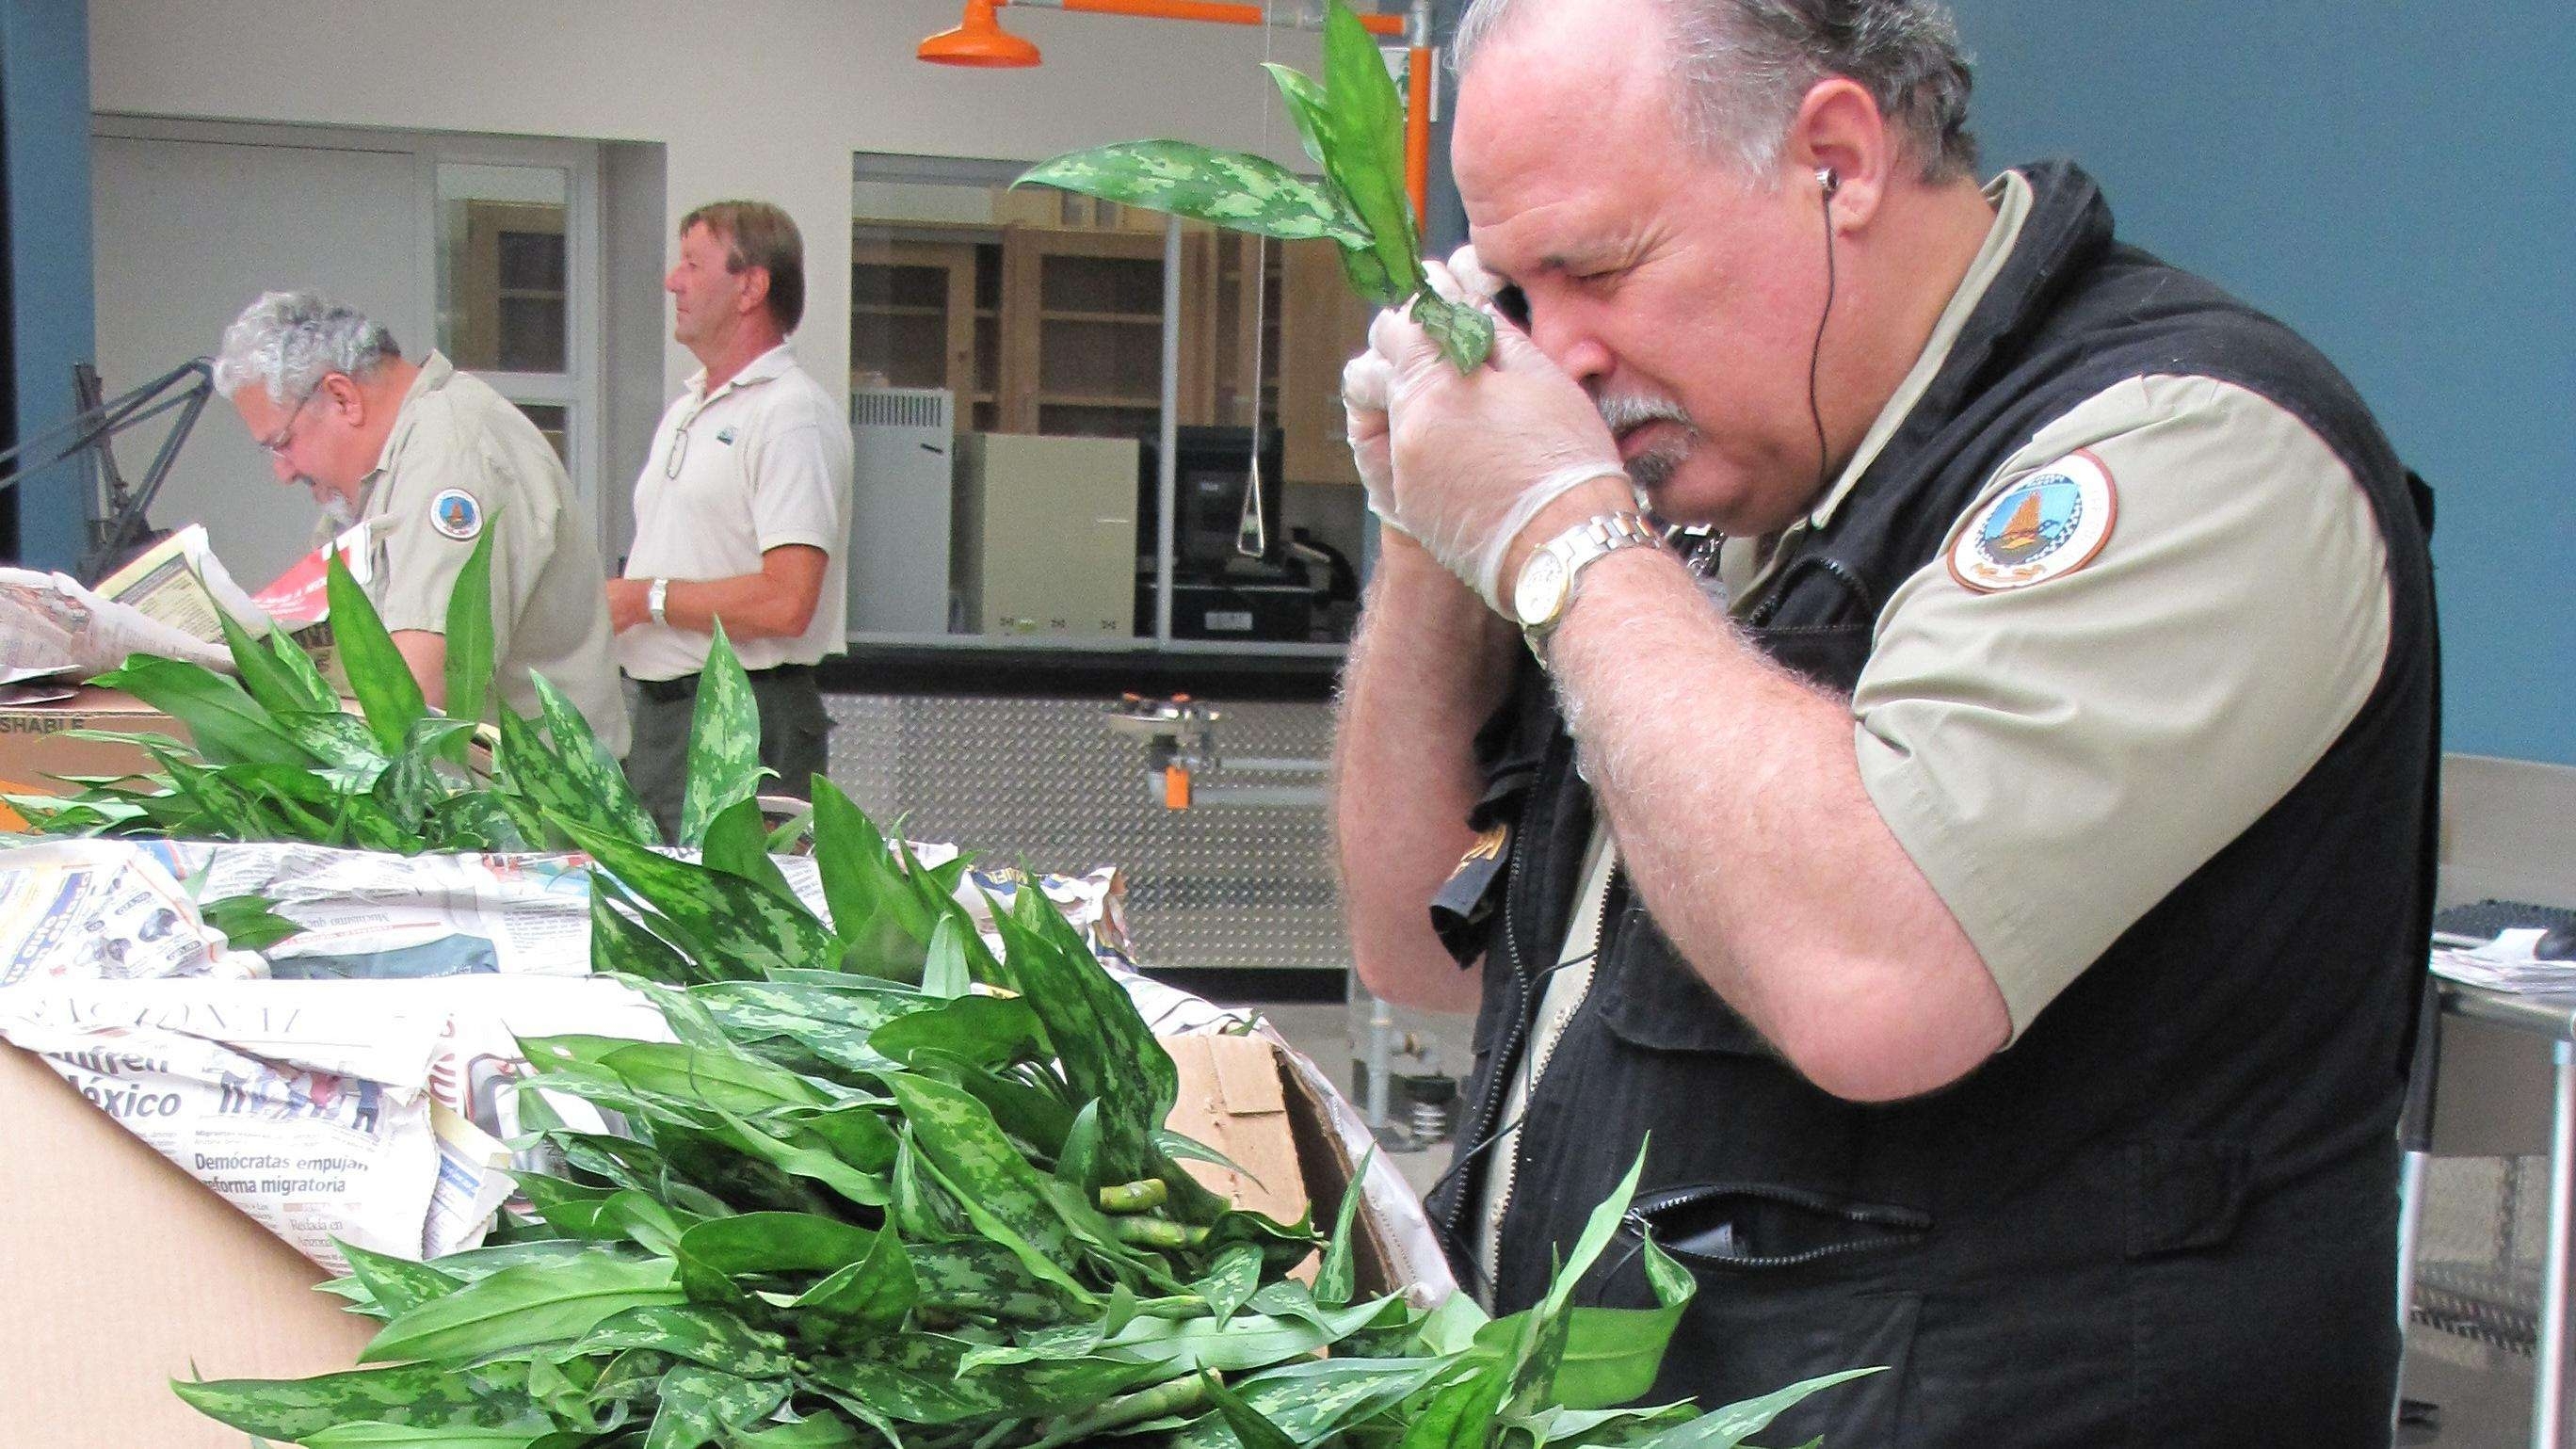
{"type": "Point", "coordinates": [1095, 400]}
{"type": "Point", "coordinates": [1136, 319]}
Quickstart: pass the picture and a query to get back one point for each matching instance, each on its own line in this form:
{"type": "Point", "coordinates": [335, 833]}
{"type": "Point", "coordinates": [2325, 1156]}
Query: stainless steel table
{"type": "Point", "coordinates": [2545, 1018]}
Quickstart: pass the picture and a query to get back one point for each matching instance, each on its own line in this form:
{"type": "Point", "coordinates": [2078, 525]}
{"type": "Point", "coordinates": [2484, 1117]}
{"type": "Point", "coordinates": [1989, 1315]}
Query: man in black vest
{"type": "Point", "coordinates": [1995, 872]}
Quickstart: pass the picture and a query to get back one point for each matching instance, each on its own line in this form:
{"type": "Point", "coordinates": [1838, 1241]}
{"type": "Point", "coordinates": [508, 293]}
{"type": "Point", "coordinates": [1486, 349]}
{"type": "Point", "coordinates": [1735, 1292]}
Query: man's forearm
{"type": "Point", "coordinates": [1735, 795]}
{"type": "Point", "coordinates": [752, 606]}
{"type": "Point", "coordinates": [1430, 665]}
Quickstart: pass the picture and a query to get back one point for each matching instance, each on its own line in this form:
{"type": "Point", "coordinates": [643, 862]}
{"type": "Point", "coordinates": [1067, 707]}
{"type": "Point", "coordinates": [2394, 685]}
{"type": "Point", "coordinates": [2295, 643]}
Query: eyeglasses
{"type": "Point", "coordinates": [679, 450]}
{"type": "Point", "coordinates": [284, 438]}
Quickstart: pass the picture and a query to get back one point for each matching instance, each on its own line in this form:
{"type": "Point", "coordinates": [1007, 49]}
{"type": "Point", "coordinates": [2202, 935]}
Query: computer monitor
{"type": "Point", "coordinates": [1213, 467]}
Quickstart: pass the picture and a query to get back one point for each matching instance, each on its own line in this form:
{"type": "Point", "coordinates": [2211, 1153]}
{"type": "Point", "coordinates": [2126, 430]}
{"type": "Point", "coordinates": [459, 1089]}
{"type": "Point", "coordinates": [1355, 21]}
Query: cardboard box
{"type": "Point", "coordinates": [121, 1272]}
{"type": "Point", "coordinates": [36, 744]}
{"type": "Point", "coordinates": [1241, 1097]}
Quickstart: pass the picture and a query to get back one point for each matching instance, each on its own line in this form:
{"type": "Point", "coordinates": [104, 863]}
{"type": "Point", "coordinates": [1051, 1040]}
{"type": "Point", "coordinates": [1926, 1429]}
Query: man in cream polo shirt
{"type": "Point", "coordinates": [427, 458]}
{"type": "Point", "coordinates": [742, 512]}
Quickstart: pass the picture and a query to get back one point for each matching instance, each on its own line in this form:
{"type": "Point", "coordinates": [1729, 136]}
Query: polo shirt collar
{"type": "Point", "coordinates": [767, 367]}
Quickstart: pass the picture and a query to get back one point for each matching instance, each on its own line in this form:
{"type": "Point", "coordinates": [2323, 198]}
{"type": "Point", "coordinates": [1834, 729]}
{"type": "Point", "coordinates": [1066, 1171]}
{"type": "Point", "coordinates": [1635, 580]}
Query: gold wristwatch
{"type": "Point", "coordinates": [1545, 588]}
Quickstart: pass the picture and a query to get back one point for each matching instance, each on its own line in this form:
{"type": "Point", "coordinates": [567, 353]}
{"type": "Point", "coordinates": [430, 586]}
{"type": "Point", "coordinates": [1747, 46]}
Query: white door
{"type": "Point", "coordinates": [191, 231]}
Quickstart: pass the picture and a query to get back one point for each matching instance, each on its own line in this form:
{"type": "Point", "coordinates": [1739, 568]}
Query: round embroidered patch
{"type": "Point", "coordinates": [455, 513]}
{"type": "Point", "coordinates": [2046, 526]}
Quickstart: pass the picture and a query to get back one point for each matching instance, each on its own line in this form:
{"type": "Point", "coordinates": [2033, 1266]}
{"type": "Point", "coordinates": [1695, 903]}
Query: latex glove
{"type": "Point", "coordinates": [1476, 456]}
{"type": "Point", "coordinates": [1368, 379]}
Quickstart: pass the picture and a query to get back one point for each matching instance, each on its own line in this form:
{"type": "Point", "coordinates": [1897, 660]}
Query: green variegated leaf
{"type": "Point", "coordinates": [700, 1406]}
{"type": "Point", "coordinates": [1611, 1355]}
{"type": "Point", "coordinates": [723, 920]}
{"type": "Point", "coordinates": [248, 922]}
{"type": "Point", "coordinates": [879, 918]}
{"type": "Point", "coordinates": [522, 1307]}
{"type": "Point", "coordinates": [591, 768]}
{"type": "Point", "coordinates": [1365, 150]}
{"type": "Point", "coordinates": [1465, 334]}
{"type": "Point", "coordinates": [724, 742]}
{"type": "Point", "coordinates": [706, 1336]}
{"type": "Point", "coordinates": [470, 643]}
{"type": "Point", "coordinates": [621, 945]}
{"type": "Point", "coordinates": [1227, 188]}
{"type": "Point", "coordinates": [737, 843]}
{"type": "Point", "coordinates": [1304, 101]}
{"type": "Point", "coordinates": [1460, 1415]}
{"type": "Point", "coordinates": [278, 688]}
{"type": "Point", "coordinates": [419, 1395]}
{"type": "Point", "coordinates": [1336, 1276]}
{"type": "Point", "coordinates": [1001, 1193]}
{"type": "Point", "coordinates": [1726, 1428]}
{"type": "Point", "coordinates": [871, 1296]}
{"type": "Point", "coordinates": [1311, 1401]}
{"type": "Point", "coordinates": [226, 725]}
{"type": "Point", "coordinates": [378, 675]}
{"type": "Point", "coordinates": [396, 1285]}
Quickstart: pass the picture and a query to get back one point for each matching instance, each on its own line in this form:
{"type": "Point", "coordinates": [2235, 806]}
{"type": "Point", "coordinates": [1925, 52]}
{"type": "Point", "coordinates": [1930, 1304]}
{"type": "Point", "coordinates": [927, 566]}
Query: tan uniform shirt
{"type": "Point", "coordinates": [762, 462]}
{"type": "Point", "coordinates": [2056, 758]}
{"type": "Point", "coordinates": [462, 459]}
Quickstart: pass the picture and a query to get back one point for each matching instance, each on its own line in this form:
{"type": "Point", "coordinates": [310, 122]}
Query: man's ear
{"type": "Point", "coordinates": [340, 392]}
{"type": "Point", "coordinates": [755, 291]}
{"type": "Point", "coordinates": [1840, 129]}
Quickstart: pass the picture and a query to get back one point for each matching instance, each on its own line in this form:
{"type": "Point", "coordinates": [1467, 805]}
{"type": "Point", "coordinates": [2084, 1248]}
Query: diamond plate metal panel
{"type": "Point", "coordinates": [1043, 782]}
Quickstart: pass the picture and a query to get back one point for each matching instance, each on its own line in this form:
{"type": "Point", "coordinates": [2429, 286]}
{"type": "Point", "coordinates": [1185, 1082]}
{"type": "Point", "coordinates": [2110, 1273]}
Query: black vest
{"type": "Point", "coordinates": [2166, 1214]}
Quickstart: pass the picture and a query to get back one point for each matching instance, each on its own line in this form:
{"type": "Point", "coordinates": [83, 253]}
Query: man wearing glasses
{"type": "Point", "coordinates": [427, 459]}
{"type": "Point", "coordinates": [742, 513]}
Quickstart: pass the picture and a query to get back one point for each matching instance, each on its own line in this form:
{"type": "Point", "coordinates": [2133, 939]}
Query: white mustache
{"type": "Point", "coordinates": [1622, 414]}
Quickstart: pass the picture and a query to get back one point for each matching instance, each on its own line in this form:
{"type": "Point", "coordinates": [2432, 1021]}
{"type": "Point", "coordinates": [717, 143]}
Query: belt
{"type": "Point", "coordinates": [664, 691]}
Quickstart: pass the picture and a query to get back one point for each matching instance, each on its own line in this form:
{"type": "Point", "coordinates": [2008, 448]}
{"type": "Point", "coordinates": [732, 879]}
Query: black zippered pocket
{"type": "Point", "coordinates": [1752, 1226]}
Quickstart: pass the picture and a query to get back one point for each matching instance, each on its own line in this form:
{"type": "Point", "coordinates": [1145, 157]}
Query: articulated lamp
{"type": "Point", "coordinates": [980, 40]}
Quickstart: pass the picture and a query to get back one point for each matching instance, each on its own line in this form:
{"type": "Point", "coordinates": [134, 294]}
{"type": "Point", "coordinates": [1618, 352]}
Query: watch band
{"type": "Point", "coordinates": [1568, 555]}
{"type": "Point", "coordinates": [655, 597]}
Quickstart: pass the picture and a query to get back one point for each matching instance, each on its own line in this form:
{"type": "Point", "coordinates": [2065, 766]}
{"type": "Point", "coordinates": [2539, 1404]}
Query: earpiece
{"type": "Point", "coordinates": [1830, 179]}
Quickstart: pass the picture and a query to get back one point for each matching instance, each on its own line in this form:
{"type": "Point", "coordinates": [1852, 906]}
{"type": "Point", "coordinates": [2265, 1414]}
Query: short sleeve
{"type": "Point", "coordinates": [2056, 757]}
{"type": "Point", "coordinates": [428, 538]}
{"type": "Point", "coordinates": [795, 497]}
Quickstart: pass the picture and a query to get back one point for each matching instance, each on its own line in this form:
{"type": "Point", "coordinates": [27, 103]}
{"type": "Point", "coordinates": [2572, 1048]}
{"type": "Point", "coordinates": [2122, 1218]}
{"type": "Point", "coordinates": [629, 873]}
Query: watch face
{"type": "Point", "coordinates": [1541, 589]}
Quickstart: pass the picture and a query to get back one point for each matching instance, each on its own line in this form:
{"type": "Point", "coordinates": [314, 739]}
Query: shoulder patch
{"type": "Point", "coordinates": [455, 513]}
{"type": "Point", "coordinates": [2046, 526]}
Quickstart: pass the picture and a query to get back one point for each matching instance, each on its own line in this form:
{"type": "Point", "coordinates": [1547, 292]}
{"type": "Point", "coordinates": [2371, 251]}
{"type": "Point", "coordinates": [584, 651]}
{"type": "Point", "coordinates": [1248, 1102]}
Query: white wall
{"type": "Point", "coordinates": [766, 100]}
{"type": "Point", "coordinates": [243, 216]}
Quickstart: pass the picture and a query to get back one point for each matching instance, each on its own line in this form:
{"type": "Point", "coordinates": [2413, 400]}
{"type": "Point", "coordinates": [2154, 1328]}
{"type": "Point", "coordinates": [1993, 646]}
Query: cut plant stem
{"type": "Point", "coordinates": [1180, 1396]}
{"type": "Point", "coordinates": [1134, 1197]}
{"type": "Point", "coordinates": [1145, 1232]}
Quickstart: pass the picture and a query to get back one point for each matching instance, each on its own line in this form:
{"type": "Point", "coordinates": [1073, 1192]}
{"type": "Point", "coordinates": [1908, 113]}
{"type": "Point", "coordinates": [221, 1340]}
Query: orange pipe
{"type": "Point", "coordinates": [1417, 133]}
{"type": "Point", "coordinates": [1211, 10]}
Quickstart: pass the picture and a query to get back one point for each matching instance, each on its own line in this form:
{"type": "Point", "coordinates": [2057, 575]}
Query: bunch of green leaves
{"type": "Point", "coordinates": [1352, 124]}
{"type": "Point", "coordinates": [890, 1188]}
{"type": "Point", "coordinates": [276, 757]}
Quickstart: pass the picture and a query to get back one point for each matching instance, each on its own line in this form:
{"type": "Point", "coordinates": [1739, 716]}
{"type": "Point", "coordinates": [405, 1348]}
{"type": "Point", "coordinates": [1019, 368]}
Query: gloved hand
{"type": "Point", "coordinates": [1368, 378]}
{"type": "Point", "coordinates": [1475, 457]}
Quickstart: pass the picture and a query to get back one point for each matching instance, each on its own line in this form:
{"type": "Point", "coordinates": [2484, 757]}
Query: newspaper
{"type": "Point", "coordinates": [181, 583]}
{"type": "Point", "coordinates": [335, 1093]}
{"type": "Point", "coordinates": [103, 910]}
{"type": "Point", "coordinates": [49, 623]}
{"type": "Point", "coordinates": [371, 1113]}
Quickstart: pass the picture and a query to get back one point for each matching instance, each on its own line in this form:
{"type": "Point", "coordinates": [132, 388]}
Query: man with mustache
{"type": "Point", "coordinates": [1992, 871]}
{"type": "Point", "coordinates": [428, 458]}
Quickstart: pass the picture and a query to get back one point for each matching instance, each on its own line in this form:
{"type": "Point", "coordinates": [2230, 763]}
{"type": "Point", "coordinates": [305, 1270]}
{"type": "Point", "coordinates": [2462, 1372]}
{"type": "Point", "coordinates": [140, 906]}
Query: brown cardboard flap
{"type": "Point", "coordinates": [121, 1273]}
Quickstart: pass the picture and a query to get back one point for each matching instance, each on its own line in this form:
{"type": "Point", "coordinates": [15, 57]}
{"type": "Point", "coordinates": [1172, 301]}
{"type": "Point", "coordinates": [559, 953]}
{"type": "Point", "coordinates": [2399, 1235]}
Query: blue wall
{"type": "Point", "coordinates": [2395, 181]}
{"type": "Point", "coordinates": [44, 86]}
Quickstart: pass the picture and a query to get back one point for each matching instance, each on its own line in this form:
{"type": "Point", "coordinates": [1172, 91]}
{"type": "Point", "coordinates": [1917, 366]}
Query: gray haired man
{"type": "Point", "coordinates": [428, 458]}
{"type": "Point", "coordinates": [1993, 875]}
